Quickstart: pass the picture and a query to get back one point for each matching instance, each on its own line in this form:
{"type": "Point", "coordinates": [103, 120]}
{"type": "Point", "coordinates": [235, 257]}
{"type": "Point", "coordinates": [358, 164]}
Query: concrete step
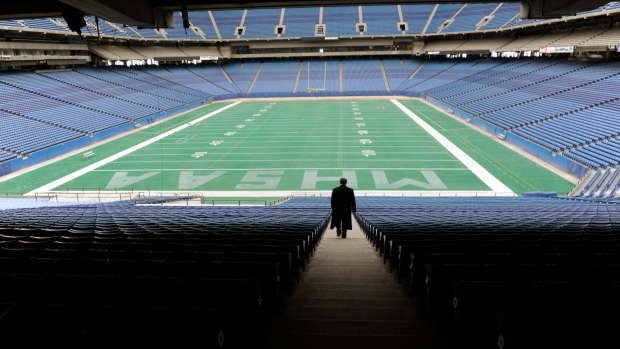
{"type": "Point", "coordinates": [346, 267]}
{"type": "Point", "coordinates": [313, 341]}
{"type": "Point", "coordinates": [318, 287]}
{"type": "Point", "coordinates": [318, 279]}
{"type": "Point", "coordinates": [350, 313]}
{"type": "Point", "coordinates": [348, 302]}
{"type": "Point", "coordinates": [347, 298]}
{"type": "Point", "coordinates": [349, 271]}
{"type": "Point", "coordinates": [349, 294]}
{"type": "Point", "coordinates": [361, 256]}
{"type": "Point", "coordinates": [354, 327]}
{"type": "Point", "coordinates": [348, 251]}
{"type": "Point", "coordinates": [326, 261]}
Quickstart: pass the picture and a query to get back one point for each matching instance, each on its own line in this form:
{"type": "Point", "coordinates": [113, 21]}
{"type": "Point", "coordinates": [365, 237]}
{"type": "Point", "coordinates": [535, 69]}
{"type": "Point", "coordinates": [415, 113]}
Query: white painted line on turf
{"type": "Point", "coordinates": [96, 165]}
{"type": "Point", "coordinates": [484, 175]}
{"type": "Point", "coordinates": [283, 193]}
{"type": "Point", "coordinates": [290, 169]}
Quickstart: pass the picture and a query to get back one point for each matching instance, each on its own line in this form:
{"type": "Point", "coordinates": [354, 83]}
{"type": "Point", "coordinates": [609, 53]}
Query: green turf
{"type": "Point", "coordinates": [300, 146]}
{"type": "Point", "coordinates": [514, 170]}
{"type": "Point", "coordinates": [36, 178]}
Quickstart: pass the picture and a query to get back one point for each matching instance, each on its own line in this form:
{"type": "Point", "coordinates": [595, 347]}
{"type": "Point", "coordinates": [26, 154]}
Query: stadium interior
{"type": "Point", "coordinates": [90, 88]}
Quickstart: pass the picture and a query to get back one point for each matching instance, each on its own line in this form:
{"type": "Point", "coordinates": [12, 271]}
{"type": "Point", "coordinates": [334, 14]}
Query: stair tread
{"type": "Point", "coordinates": [347, 297]}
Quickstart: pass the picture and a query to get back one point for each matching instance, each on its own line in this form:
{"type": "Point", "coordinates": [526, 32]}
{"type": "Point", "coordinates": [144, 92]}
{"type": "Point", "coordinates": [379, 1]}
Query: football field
{"type": "Point", "coordinates": [270, 148]}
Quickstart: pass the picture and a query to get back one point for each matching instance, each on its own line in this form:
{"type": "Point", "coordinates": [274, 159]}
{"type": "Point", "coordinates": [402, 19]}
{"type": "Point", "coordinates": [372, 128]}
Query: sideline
{"type": "Point", "coordinates": [50, 186]}
{"type": "Point", "coordinates": [558, 171]}
{"type": "Point", "coordinates": [493, 183]}
{"type": "Point", "coordinates": [94, 145]}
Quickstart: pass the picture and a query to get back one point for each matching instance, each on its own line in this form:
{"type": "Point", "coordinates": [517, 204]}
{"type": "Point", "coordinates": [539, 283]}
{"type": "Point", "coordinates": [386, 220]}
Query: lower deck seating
{"type": "Point", "coordinates": [535, 330]}
{"type": "Point", "coordinates": [471, 259]}
{"type": "Point", "coordinates": [486, 261]}
{"type": "Point", "coordinates": [207, 274]}
{"type": "Point", "coordinates": [35, 324]}
{"type": "Point", "coordinates": [477, 302]}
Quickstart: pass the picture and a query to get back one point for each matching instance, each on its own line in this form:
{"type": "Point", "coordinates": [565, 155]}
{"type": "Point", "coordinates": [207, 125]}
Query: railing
{"type": "Point", "coordinates": [199, 199]}
{"type": "Point", "coordinates": [361, 193]}
{"type": "Point", "coordinates": [143, 198]}
{"type": "Point", "coordinates": [243, 202]}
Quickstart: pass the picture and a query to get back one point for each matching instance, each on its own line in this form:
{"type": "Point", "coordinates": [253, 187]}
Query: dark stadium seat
{"type": "Point", "coordinates": [476, 303]}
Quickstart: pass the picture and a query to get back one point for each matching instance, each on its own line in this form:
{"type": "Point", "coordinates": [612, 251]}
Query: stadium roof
{"type": "Point", "coordinates": [158, 13]}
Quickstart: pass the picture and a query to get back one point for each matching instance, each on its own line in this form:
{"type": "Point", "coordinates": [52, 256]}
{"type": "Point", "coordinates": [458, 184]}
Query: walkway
{"type": "Point", "coordinates": [347, 298]}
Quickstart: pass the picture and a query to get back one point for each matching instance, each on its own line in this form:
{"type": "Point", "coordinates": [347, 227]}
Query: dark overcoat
{"type": "Point", "coordinates": [343, 203]}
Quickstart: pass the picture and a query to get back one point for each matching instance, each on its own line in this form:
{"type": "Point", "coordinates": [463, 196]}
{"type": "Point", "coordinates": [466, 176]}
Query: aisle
{"type": "Point", "coordinates": [347, 298]}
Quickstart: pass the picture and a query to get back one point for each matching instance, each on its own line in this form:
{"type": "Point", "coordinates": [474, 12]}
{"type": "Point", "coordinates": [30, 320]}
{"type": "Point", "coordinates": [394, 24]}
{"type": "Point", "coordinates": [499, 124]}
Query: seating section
{"type": "Point", "coordinates": [117, 53]}
{"type": "Point", "coordinates": [261, 23]}
{"type": "Point", "coordinates": [493, 45]}
{"type": "Point", "coordinates": [114, 85]}
{"type": "Point", "coordinates": [506, 12]}
{"type": "Point", "coordinates": [300, 22]}
{"type": "Point", "coordinates": [105, 28]}
{"type": "Point", "coordinates": [444, 12]}
{"type": "Point", "coordinates": [324, 74]}
{"type": "Point", "coordinates": [381, 20]}
{"type": "Point", "coordinates": [417, 16]}
{"type": "Point", "coordinates": [542, 256]}
{"type": "Point", "coordinates": [278, 77]}
{"type": "Point", "coordinates": [45, 24]}
{"type": "Point", "coordinates": [21, 136]}
{"type": "Point", "coordinates": [51, 110]}
{"type": "Point", "coordinates": [67, 105]}
{"type": "Point", "coordinates": [60, 86]}
{"type": "Point", "coordinates": [604, 183]}
{"type": "Point", "coordinates": [566, 106]}
{"type": "Point", "coordinates": [608, 34]}
{"type": "Point", "coordinates": [219, 271]}
{"type": "Point", "coordinates": [212, 74]}
{"type": "Point", "coordinates": [163, 80]}
{"type": "Point", "coordinates": [469, 17]}
{"type": "Point", "coordinates": [362, 75]}
{"type": "Point", "coordinates": [202, 21]}
{"type": "Point", "coordinates": [398, 70]}
{"type": "Point", "coordinates": [477, 85]}
{"type": "Point", "coordinates": [186, 76]}
{"type": "Point", "coordinates": [341, 21]}
{"type": "Point", "coordinates": [242, 74]}
{"type": "Point", "coordinates": [439, 72]}
{"type": "Point", "coordinates": [227, 22]}
{"type": "Point", "coordinates": [614, 5]}
{"type": "Point", "coordinates": [430, 69]}
{"type": "Point", "coordinates": [178, 32]}
{"type": "Point", "coordinates": [12, 24]}
{"type": "Point", "coordinates": [147, 33]}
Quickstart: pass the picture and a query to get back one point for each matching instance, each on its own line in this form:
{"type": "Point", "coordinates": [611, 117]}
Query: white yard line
{"type": "Point", "coordinates": [49, 187]}
{"type": "Point", "coordinates": [94, 195]}
{"type": "Point", "coordinates": [290, 169]}
{"type": "Point", "coordinates": [485, 176]}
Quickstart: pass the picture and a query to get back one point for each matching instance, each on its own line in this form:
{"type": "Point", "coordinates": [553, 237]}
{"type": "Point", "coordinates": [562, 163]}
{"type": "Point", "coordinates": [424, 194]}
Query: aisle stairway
{"type": "Point", "coordinates": [347, 298]}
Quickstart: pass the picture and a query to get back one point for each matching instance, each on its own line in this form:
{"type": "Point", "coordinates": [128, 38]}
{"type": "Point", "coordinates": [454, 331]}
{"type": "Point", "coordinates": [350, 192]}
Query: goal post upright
{"type": "Point", "coordinates": [324, 75]}
{"type": "Point", "coordinates": [310, 89]}
{"type": "Point", "coordinates": [309, 76]}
